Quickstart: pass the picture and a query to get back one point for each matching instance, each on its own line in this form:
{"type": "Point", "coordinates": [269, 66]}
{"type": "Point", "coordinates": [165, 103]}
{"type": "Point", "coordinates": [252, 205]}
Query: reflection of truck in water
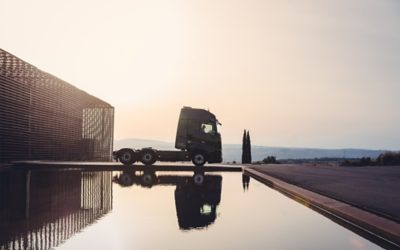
{"type": "Point", "coordinates": [197, 139]}
{"type": "Point", "coordinates": [196, 197]}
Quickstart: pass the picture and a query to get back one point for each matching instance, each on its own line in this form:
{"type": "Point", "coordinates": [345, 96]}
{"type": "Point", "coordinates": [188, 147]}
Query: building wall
{"type": "Point", "coordinates": [43, 117]}
{"type": "Point", "coordinates": [42, 209]}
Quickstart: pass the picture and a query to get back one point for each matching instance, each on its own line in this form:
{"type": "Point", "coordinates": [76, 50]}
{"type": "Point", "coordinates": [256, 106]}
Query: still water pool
{"type": "Point", "coordinates": [75, 209]}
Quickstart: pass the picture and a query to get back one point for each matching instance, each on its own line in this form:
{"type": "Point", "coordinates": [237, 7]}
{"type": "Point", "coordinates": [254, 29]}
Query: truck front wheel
{"type": "Point", "coordinates": [199, 158]}
{"type": "Point", "coordinates": [198, 179]}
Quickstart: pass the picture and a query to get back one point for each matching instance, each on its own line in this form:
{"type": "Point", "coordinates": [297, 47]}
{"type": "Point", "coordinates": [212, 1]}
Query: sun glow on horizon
{"type": "Point", "coordinates": [307, 74]}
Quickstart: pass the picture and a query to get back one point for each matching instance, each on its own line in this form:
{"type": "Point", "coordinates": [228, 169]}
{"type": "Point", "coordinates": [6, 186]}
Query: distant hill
{"type": "Point", "coordinates": [233, 152]}
{"type": "Point", "coordinates": [141, 143]}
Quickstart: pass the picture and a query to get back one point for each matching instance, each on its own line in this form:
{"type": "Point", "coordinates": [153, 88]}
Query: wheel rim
{"type": "Point", "coordinates": [126, 156]}
{"type": "Point", "coordinates": [147, 157]}
{"type": "Point", "coordinates": [198, 179]}
{"type": "Point", "coordinates": [147, 179]}
{"type": "Point", "coordinates": [199, 159]}
{"type": "Point", "coordinates": [125, 179]}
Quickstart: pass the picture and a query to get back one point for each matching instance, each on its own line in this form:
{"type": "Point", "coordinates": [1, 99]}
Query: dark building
{"type": "Point", "coordinates": [44, 117]}
{"type": "Point", "coordinates": [40, 209]}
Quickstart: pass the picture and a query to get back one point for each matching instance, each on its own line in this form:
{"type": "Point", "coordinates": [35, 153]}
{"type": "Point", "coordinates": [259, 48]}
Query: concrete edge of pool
{"type": "Point", "coordinates": [117, 166]}
{"type": "Point", "coordinates": [381, 227]}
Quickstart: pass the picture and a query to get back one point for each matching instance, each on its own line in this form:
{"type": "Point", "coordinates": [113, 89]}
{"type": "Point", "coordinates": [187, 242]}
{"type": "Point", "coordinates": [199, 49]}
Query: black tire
{"type": "Point", "coordinates": [126, 156]}
{"type": "Point", "coordinates": [148, 157]}
{"type": "Point", "coordinates": [125, 180]}
{"type": "Point", "coordinates": [199, 159]}
{"type": "Point", "coordinates": [148, 180]}
{"type": "Point", "coordinates": [198, 179]}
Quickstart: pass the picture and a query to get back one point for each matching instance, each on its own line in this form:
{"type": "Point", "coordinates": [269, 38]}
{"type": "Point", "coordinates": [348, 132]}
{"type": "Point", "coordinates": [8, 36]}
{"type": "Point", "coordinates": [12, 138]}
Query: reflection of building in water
{"type": "Point", "coordinates": [44, 117]}
{"type": "Point", "coordinates": [41, 209]}
{"type": "Point", "coordinates": [196, 197]}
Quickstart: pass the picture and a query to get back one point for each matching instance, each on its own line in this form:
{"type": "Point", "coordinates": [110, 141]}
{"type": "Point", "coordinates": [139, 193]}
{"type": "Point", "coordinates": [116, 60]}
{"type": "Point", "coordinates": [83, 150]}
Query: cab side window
{"type": "Point", "coordinates": [207, 128]}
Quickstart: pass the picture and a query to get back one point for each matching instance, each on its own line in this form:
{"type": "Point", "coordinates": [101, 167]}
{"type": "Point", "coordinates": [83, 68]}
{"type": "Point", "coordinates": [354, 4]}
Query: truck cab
{"type": "Point", "coordinates": [197, 139]}
{"type": "Point", "coordinates": [197, 133]}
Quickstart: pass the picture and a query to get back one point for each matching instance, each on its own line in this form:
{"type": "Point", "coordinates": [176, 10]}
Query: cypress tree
{"type": "Point", "coordinates": [244, 142]}
{"type": "Point", "coordinates": [248, 147]}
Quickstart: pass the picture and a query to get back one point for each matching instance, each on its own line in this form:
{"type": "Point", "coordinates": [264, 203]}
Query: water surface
{"type": "Point", "coordinates": [74, 209]}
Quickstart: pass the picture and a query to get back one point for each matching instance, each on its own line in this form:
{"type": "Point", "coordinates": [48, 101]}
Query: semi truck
{"type": "Point", "coordinates": [197, 139]}
{"type": "Point", "coordinates": [197, 197]}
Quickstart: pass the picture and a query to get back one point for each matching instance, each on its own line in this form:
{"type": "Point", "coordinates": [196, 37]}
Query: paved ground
{"type": "Point", "coordinates": [375, 189]}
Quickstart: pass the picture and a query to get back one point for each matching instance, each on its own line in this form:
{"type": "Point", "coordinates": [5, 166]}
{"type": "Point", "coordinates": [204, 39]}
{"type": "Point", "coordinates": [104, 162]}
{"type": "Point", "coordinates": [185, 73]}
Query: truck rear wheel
{"type": "Point", "coordinates": [199, 159]}
{"type": "Point", "coordinates": [125, 179]}
{"type": "Point", "coordinates": [148, 179]}
{"type": "Point", "coordinates": [148, 157]}
{"type": "Point", "coordinates": [127, 156]}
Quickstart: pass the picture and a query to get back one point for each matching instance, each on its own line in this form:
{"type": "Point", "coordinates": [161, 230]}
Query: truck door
{"type": "Point", "coordinates": [210, 135]}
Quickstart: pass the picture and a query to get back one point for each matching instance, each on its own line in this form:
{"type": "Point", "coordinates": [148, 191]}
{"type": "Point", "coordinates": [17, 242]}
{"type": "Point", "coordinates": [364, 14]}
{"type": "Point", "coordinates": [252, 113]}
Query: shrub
{"type": "Point", "coordinates": [269, 160]}
{"type": "Point", "coordinates": [388, 158]}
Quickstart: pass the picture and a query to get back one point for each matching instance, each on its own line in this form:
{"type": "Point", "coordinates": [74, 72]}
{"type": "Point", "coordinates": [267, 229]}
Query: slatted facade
{"type": "Point", "coordinates": [43, 209]}
{"type": "Point", "coordinates": [43, 117]}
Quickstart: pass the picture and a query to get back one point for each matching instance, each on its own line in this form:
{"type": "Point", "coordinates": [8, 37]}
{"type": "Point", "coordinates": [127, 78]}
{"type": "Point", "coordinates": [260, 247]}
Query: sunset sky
{"type": "Point", "coordinates": [295, 73]}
